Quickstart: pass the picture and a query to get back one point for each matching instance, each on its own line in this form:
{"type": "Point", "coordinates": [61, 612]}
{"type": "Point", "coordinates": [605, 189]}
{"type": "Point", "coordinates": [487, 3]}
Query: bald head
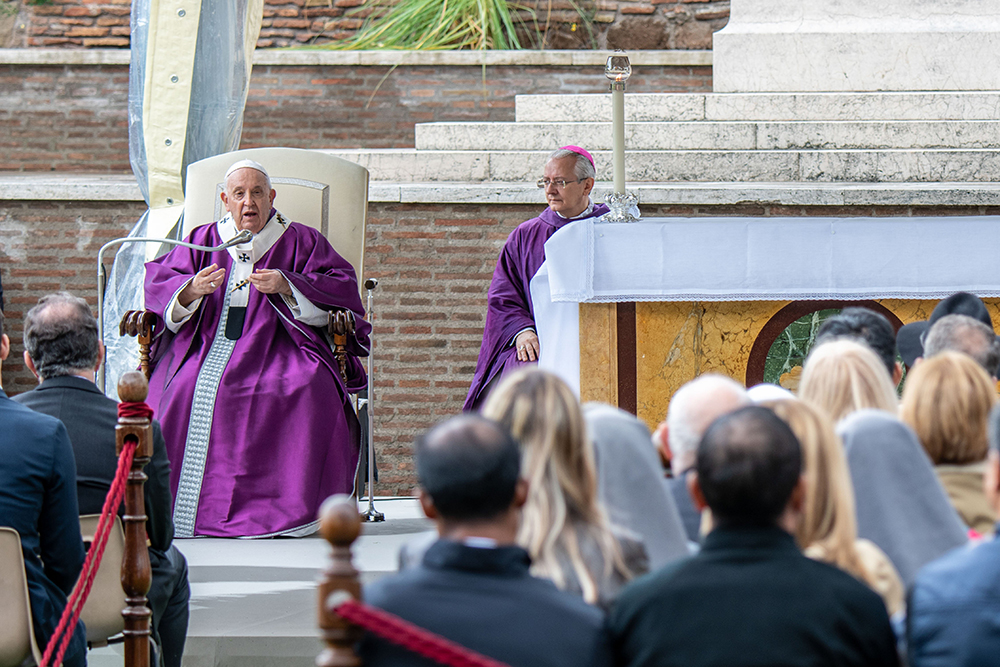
{"type": "Point", "coordinates": [692, 410]}
{"type": "Point", "coordinates": [469, 466]}
{"type": "Point", "coordinates": [961, 333]}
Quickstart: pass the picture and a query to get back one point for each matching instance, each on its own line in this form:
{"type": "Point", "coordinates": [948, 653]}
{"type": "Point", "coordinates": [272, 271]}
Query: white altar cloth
{"type": "Point", "coordinates": [753, 259]}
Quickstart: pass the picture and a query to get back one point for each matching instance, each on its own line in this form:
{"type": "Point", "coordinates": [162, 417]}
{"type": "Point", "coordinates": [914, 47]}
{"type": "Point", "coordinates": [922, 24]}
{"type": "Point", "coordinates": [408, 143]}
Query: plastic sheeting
{"type": "Point", "coordinates": [227, 31]}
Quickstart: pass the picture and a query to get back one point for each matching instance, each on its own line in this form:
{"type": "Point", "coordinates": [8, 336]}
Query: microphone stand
{"type": "Point", "coordinates": [371, 514]}
{"type": "Point", "coordinates": [102, 278]}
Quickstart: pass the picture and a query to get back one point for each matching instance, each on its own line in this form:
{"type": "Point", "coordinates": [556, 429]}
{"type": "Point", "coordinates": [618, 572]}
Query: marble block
{"type": "Point", "coordinates": [858, 45]}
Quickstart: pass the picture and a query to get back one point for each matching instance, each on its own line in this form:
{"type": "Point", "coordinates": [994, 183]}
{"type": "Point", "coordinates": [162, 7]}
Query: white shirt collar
{"type": "Point", "coordinates": [586, 212]}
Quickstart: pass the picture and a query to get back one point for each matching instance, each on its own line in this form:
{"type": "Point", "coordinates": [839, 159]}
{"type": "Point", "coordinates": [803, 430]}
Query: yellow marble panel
{"type": "Point", "coordinates": [679, 341]}
{"type": "Point", "coordinates": [599, 352]}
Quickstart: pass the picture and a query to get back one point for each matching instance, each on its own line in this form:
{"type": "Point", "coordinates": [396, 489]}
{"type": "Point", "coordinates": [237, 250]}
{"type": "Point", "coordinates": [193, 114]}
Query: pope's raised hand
{"type": "Point", "coordinates": [205, 282]}
{"type": "Point", "coordinates": [270, 281]}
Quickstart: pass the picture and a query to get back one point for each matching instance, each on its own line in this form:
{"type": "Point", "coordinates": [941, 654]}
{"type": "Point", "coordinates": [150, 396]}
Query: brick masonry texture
{"type": "Point", "coordinates": [629, 24]}
{"type": "Point", "coordinates": [74, 118]}
{"type": "Point", "coordinates": [434, 263]}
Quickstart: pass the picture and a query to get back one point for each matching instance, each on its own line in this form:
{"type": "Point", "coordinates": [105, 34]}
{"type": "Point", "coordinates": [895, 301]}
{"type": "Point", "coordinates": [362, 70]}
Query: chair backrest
{"type": "Point", "coordinates": [102, 612]}
{"type": "Point", "coordinates": [325, 192]}
{"type": "Point", "coordinates": [17, 635]}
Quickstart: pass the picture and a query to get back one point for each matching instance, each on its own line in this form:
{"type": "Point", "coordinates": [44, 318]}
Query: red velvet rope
{"type": "Point", "coordinates": [59, 641]}
{"type": "Point", "coordinates": [411, 637]}
{"type": "Point", "coordinates": [132, 410]}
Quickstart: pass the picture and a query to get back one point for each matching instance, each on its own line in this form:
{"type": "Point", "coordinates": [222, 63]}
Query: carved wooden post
{"type": "Point", "coordinates": [136, 573]}
{"type": "Point", "coordinates": [139, 323]}
{"type": "Point", "coordinates": [340, 525]}
{"type": "Point", "coordinates": [339, 327]}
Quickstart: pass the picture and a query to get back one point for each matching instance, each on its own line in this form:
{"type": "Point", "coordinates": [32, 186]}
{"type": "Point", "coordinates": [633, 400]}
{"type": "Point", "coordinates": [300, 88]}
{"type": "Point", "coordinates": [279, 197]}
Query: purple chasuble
{"type": "Point", "coordinates": [509, 309]}
{"type": "Point", "coordinates": [272, 433]}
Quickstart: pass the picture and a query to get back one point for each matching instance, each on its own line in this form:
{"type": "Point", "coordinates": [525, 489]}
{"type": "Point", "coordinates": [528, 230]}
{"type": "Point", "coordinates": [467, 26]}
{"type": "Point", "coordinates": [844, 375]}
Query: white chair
{"type": "Point", "coordinates": [102, 612]}
{"type": "Point", "coordinates": [17, 635]}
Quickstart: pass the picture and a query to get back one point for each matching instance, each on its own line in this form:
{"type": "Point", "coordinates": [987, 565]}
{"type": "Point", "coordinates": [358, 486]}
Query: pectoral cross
{"type": "Point", "coordinates": [244, 257]}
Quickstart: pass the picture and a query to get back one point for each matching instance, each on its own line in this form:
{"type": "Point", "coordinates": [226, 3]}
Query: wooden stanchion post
{"type": "Point", "coordinates": [136, 572]}
{"type": "Point", "coordinates": [340, 525]}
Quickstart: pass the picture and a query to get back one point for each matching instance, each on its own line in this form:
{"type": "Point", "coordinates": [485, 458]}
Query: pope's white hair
{"type": "Point", "coordinates": [248, 164]}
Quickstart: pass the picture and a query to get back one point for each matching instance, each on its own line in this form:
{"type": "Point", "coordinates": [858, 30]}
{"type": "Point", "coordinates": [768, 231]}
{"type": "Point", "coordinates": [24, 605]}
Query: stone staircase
{"type": "Point", "coordinates": [735, 138]}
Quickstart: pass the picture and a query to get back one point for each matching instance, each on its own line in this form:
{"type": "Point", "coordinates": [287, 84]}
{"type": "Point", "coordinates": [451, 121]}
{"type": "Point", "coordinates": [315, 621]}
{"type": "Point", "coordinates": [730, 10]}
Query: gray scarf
{"type": "Point", "coordinates": [631, 485]}
{"type": "Point", "coordinates": [901, 504]}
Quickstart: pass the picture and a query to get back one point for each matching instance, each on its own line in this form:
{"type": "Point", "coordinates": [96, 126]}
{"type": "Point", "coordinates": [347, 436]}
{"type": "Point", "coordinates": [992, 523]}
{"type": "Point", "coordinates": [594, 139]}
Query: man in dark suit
{"type": "Point", "coordinates": [750, 597]}
{"type": "Point", "coordinates": [473, 585]}
{"type": "Point", "coordinates": [38, 499]}
{"type": "Point", "coordinates": [62, 350]}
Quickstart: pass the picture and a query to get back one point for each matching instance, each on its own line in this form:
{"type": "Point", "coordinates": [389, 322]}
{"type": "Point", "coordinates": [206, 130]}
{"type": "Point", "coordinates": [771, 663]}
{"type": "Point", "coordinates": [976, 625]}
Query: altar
{"type": "Point", "coordinates": [627, 313]}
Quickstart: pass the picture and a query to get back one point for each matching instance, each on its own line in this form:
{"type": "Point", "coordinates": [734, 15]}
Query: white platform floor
{"type": "Point", "coordinates": [253, 602]}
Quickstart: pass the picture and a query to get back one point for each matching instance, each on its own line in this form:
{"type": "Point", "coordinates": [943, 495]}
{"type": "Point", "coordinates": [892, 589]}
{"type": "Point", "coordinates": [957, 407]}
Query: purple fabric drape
{"type": "Point", "coordinates": [283, 435]}
{"type": "Point", "coordinates": [509, 309]}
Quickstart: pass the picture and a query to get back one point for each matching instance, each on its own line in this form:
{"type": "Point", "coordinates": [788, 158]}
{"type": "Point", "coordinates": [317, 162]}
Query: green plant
{"type": "Point", "coordinates": [438, 24]}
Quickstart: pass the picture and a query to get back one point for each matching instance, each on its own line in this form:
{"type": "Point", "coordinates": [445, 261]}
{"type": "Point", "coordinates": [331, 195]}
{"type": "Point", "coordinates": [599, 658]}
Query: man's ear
{"type": "Point", "coordinates": [661, 440]}
{"type": "Point", "coordinates": [274, 193]}
{"type": "Point", "coordinates": [897, 374]}
{"type": "Point", "coordinates": [520, 493]}
{"type": "Point", "coordinates": [100, 355]}
{"type": "Point", "coordinates": [427, 504]}
{"type": "Point", "coordinates": [991, 478]}
{"type": "Point", "coordinates": [798, 498]}
{"type": "Point", "coordinates": [4, 347]}
{"type": "Point", "coordinates": [694, 490]}
{"type": "Point", "coordinates": [588, 185]}
{"type": "Point", "coordinates": [30, 363]}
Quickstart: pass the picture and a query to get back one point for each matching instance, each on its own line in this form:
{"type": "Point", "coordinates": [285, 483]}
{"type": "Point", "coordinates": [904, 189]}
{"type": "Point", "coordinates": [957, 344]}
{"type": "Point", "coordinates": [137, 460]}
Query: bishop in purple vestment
{"type": "Point", "coordinates": [256, 417]}
{"type": "Point", "coordinates": [509, 338]}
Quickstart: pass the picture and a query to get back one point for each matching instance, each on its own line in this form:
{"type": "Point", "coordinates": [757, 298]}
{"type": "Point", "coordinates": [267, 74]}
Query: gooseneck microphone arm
{"type": "Point", "coordinates": [243, 237]}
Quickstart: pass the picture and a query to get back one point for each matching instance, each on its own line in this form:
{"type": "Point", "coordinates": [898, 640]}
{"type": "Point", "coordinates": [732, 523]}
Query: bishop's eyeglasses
{"type": "Point", "coordinates": [558, 182]}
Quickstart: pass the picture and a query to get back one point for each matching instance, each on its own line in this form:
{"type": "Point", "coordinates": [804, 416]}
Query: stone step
{"type": "Point", "coordinates": [979, 105]}
{"type": "Point", "coordinates": [713, 135]}
{"type": "Point", "coordinates": [666, 166]}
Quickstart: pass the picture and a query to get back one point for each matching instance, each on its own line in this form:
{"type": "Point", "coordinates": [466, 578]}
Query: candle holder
{"type": "Point", "coordinates": [624, 207]}
{"type": "Point", "coordinates": [623, 204]}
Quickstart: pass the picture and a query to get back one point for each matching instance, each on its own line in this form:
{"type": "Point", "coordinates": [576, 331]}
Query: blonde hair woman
{"type": "Point", "coordinates": [842, 376]}
{"type": "Point", "coordinates": [947, 402]}
{"type": "Point", "coordinates": [828, 530]}
{"type": "Point", "coordinates": [563, 526]}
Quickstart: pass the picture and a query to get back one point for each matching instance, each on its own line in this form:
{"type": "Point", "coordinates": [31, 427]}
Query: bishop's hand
{"type": "Point", "coordinates": [526, 344]}
{"type": "Point", "coordinates": [205, 282]}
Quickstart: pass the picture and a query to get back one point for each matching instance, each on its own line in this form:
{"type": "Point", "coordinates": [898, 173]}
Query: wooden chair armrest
{"type": "Point", "coordinates": [139, 323]}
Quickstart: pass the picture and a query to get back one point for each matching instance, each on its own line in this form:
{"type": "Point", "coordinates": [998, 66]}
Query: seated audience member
{"type": "Point", "coordinates": [563, 526]}
{"type": "Point", "coordinates": [910, 338]}
{"type": "Point", "coordinates": [954, 605]}
{"type": "Point", "coordinates": [473, 586]}
{"type": "Point", "coordinates": [828, 530]}
{"type": "Point", "coordinates": [692, 409]}
{"type": "Point", "coordinates": [947, 402]}
{"type": "Point", "coordinates": [768, 391]}
{"type": "Point", "coordinates": [630, 483]}
{"type": "Point", "coordinates": [868, 327]}
{"type": "Point", "coordinates": [38, 500]}
{"type": "Point", "coordinates": [63, 351]}
{"type": "Point", "coordinates": [961, 333]}
{"type": "Point", "coordinates": [750, 597]}
{"type": "Point", "coordinates": [901, 505]}
{"type": "Point", "coordinates": [842, 376]}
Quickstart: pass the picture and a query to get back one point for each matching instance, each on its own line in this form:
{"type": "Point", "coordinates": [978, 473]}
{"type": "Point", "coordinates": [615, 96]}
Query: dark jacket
{"type": "Point", "coordinates": [751, 598]}
{"type": "Point", "coordinates": [485, 600]}
{"type": "Point", "coordinates": [38, 499]}
{"type": "Point", "coordinates": [90, 418]}
{"type": "Point", "coordinates": [954, 609]}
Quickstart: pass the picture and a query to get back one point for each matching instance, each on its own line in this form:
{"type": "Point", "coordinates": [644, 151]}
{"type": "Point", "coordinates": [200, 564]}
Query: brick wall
{"type": "Point", "coordinates": [434, 263]}
{"type": "Point", "coordinates": [74, 117]}
{"type": "Point", "coordinates": [630, 24]}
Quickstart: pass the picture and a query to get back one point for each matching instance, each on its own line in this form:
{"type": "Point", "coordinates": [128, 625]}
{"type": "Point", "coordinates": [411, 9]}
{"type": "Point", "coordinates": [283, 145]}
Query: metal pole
{"type": "Point", "coordinates": [242, 237]}
{"type": "Point", "coordinates": [371, 514]}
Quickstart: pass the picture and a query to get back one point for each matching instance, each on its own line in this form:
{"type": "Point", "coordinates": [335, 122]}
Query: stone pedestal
{"type": "Point", "coordinates": [858, 45]}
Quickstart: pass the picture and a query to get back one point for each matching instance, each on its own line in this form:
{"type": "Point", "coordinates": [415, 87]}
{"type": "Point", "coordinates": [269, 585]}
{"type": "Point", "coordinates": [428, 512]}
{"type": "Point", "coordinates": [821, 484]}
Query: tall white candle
{"type": "Point", "coordinates": [618, 135]}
